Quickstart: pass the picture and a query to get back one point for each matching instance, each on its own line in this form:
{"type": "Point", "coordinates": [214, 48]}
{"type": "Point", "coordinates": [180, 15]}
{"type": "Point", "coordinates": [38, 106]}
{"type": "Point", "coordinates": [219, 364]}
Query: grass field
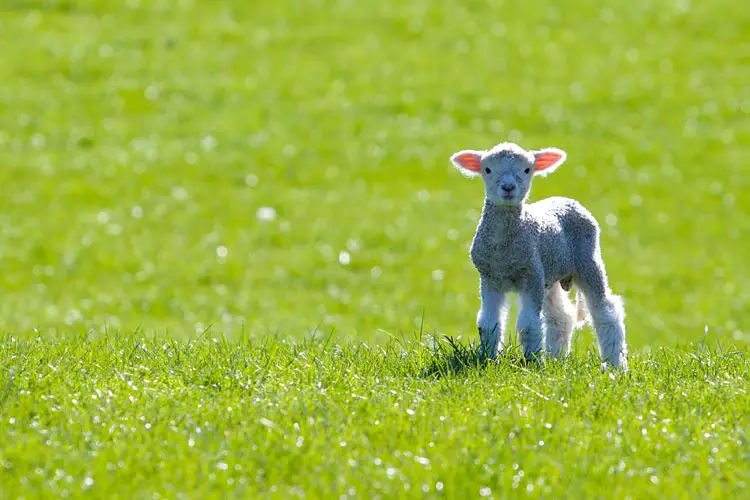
{"type": "Point", "coordinates": [124, 417]}
{"type": "Point", "coordinates": [177, 171]}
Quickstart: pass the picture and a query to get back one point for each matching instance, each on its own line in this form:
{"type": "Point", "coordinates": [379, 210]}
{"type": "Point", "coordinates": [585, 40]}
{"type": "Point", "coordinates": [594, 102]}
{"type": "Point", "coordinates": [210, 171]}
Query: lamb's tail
{"type": "Point", "coordinates": [582, 313]}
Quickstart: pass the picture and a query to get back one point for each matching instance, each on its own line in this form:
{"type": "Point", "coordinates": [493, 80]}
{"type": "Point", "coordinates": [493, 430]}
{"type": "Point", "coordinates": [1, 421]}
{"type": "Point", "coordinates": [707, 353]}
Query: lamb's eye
{"type": "Point", "coordinates": [527, 170]}
{"type": "Point", "coordinates": [488, 170]}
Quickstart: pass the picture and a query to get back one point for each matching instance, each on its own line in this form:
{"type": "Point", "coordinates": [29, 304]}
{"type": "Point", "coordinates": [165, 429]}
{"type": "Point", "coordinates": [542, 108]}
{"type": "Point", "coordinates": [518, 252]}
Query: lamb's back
{"type": "Point", "coordinates": [558, 213]}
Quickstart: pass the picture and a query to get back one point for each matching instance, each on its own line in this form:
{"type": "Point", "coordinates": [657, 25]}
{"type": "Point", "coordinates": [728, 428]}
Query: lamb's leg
{"type": "Point", "coordinates": [607, 313]}
{"type": "Point", "coordinates": [559, 320]}
{"type": "Point", "coordinates": [529, 324]}
{"type": "Point", "coordinates": [491, 318]}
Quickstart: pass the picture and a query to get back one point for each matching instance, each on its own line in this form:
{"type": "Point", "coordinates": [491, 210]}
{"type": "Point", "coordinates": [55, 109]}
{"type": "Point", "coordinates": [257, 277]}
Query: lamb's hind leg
{"type": "Point", "coordinates": [607, 313]}
{"type": "Point", "coordinates": [559, 320]}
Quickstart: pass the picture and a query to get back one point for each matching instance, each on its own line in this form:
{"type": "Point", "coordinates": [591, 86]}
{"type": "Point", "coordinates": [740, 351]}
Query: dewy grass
{"type": "Point", "coordinates": [124, 416]}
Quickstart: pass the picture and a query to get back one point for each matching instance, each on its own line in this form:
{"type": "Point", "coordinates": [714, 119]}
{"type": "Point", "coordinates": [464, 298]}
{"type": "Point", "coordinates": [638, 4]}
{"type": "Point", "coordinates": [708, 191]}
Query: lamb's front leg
{"type": "Point", "coordinates": [529, 324]}
{"type": "Point", "coordinates": [491, 318]}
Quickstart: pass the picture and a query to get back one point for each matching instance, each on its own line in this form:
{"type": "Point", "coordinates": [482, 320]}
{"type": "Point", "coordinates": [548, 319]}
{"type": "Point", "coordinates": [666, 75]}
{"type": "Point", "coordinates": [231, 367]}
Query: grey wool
{"type": "Point", "coordinates": [540, 251]}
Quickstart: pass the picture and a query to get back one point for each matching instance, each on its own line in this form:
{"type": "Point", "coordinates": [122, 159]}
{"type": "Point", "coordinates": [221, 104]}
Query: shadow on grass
{"type": "Point", "coordinates": [450, 358]}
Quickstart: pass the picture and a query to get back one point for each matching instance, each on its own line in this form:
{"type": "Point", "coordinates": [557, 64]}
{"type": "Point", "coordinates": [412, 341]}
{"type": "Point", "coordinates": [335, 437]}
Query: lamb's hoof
{"type": "Point", "coordinates": [556, 357]}
{"type": "Point", "coordinates": [485, 354]}
{"type": "Point", "coordinates": [533, 359]}
{"type": "Point", "coordinates": [612, 368]}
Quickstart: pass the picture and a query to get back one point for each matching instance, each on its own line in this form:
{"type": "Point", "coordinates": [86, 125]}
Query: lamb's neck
{"type": "Point", "coordinates": [502, 220]}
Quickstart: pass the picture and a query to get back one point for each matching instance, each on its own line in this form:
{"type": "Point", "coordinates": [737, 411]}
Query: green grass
{"type": "Point", "coordinates": [130, 417]}
{"type": "Point", "coordinates": [141, 140]}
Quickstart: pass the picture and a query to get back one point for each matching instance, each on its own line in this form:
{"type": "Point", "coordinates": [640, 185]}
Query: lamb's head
{"type": "Point", "coordinates": [507, 169]}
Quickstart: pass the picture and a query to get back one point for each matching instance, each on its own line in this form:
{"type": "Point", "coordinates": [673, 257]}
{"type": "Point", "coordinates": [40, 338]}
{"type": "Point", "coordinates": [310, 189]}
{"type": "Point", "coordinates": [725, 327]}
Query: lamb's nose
{"type": "Point", "coordinates": [508, 187]}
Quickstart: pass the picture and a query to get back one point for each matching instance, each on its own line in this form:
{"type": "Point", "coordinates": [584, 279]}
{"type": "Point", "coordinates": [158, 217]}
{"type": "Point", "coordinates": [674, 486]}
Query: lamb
{"type": "Point", "coordinates": [538, 250]}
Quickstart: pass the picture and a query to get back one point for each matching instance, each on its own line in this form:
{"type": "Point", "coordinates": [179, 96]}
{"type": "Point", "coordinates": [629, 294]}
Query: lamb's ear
{"type": "Point", "coordinates": [547, 160]}
{"type": "Point", "coordinates": [467, 161]}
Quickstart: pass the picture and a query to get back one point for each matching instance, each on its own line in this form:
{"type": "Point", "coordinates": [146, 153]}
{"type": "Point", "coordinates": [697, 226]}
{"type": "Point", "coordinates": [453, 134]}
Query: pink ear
{"type": "Point", "coordinates": [468, 161]}
{"type": "Point", "coordinates": [547, 160]}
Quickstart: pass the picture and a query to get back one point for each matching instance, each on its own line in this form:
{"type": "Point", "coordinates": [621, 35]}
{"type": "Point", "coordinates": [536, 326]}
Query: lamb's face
{"type": "Point", "coordinates": [507, 176]}
{"type": "Point", "coordinates": [507, 169]}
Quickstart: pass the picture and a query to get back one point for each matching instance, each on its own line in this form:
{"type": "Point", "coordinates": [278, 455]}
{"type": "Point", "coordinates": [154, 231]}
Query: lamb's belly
{"type": "Point", "coordinates": [555, 273]}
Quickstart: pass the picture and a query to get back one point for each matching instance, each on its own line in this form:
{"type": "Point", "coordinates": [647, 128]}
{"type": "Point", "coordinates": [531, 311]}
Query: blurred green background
{"type": "Point", "coordinates": [277, 167]}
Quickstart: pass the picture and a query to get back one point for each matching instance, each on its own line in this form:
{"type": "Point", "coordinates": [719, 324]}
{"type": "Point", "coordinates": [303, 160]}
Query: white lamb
{"type": "Point", "coordinates": [538, 250]}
